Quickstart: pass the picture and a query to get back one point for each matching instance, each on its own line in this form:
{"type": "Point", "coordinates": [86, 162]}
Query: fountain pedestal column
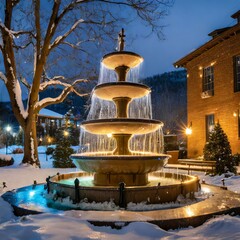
{"type": "Point", "coordinates": [122, 147]}
{"type": "Point", "coordinates": [122, 106]}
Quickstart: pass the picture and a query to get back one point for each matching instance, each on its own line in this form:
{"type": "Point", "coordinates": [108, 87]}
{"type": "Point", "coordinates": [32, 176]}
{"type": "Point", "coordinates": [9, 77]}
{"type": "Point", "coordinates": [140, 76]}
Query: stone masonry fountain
{"type": "Point", "coordinates": [131, 170]}
{"type": "Point", "coordinates": [116, 171]}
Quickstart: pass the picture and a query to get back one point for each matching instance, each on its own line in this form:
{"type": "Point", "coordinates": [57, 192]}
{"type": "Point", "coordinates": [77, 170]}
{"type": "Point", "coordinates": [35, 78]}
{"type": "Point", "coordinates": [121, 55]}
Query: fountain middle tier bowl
{"type": "Point", "coordinates": [121, 126]}
{"type": "Point", "coordinates": [116, 164]}
{"type": "Point", "coordinates": [109, 91]}
{"type": "Point", "coordinates": [123, 58]}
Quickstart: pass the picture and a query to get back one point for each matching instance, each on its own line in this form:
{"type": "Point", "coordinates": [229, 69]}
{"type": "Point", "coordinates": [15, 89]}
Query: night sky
{"type": "Point", "coordinates": [187, 27]}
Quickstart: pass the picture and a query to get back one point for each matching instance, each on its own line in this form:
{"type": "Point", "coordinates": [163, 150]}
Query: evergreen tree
{"type": "Point", "coordinates": [218, 148]}
{"type": "Point", "coordinates": [63, 150]}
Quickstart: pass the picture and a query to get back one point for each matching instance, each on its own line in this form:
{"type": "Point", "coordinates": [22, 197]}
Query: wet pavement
{"type": "Point", "coordinates": [220, 201]}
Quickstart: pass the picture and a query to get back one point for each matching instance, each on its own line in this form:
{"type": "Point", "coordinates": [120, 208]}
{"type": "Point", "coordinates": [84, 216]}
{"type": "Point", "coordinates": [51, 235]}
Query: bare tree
{"type": "Point", "coordinates": [49, 42]}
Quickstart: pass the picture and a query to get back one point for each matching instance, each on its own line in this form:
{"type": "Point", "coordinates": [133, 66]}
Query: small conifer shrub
{"type": "Point", "coordinates": [218, 149]}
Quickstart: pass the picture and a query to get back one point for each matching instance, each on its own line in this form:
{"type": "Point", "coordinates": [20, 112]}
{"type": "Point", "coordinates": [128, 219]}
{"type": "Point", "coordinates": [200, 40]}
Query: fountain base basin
{"type": "Point", "coordinates": [152, 193]}
{"type": "Point", "coordinates": [110, 170]}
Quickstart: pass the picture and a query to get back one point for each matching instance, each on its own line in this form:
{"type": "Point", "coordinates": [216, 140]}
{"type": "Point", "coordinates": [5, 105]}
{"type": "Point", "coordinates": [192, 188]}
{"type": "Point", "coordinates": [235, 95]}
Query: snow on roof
{"type": "Point", "coordinates": [49, 113]}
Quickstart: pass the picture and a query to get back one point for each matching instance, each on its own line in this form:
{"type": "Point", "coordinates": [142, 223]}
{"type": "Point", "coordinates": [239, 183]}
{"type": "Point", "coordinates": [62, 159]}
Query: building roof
{"type": "Point", "coordinates": [219, 35]}
{"type": "Point", "coordinates": [49, 113]}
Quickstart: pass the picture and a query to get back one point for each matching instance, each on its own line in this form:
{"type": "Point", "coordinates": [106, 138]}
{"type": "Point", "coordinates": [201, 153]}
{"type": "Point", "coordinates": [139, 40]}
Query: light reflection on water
{"type": "Point", "coordinates": [88, 181]}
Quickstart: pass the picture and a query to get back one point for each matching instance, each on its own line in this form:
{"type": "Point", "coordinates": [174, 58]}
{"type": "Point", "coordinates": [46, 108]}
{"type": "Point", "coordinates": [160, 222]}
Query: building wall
{"type": "Point", "coordinates": [224, 102]}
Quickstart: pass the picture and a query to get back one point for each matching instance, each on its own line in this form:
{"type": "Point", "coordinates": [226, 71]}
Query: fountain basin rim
{"type": "Point", "coordinates": [82, 156]}
{"type": "Point", "coordinates": [129, 126]}
{"type": "Point", "coordinates": [188, 179]}
{"type": "Point", "coordinates": [109, 91]}
{"type": "Point", "coordinates": [132, 120]}
{"type": "Point", "coordinates": [121, 58]}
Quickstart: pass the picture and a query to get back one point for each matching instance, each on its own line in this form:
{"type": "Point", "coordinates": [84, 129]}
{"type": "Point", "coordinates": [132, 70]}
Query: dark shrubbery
{"type": "Point", "coordinates": [62, 152]}
{"type": "Point", "coordinates": [49, 150]}
{"type": "Point", "coordinates": [4, 162]}
{"type": "Point", "coordinates": [17, 150]}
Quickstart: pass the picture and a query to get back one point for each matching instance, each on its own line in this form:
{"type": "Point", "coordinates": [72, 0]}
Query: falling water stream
{"type": "Point", "coordinates": [139, 108]}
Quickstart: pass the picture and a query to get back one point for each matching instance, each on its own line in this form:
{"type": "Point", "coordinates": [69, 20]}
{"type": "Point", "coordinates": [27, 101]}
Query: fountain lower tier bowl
{"type": "Point", "coordinates": [154, 193]}
{"type": "Point", "coordinates": [109, 91]}
{"type": "Point", "coordinates": [121, 126]}
{"type": "Point", "coordinates": [123, 58]}
{"type": "Point", "coordinates": [110, 170]}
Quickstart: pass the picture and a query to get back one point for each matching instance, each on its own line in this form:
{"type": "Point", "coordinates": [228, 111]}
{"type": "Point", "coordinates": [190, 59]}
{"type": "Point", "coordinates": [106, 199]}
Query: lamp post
{"type": "Point", "coordinates": [48, 142]}
{"type": "Point", "coordinates": [8, 130]}
{"type": "Point", "coordinates": [188, 132]}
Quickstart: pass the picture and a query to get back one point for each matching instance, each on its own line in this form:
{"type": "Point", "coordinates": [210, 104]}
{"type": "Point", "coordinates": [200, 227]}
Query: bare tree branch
{"type": "Point", "coordinates": [25, 83]}
{"type": "Point", "coordinates": [53, 82]}
{"type": "Point", "coordinates": [59, 39]}
{"type": "Point", "coordinates": [49, 101]}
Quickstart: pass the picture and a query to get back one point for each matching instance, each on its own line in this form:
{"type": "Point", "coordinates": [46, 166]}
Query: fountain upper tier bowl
{"type": "Point", "coordinates": [121, 126]}
{"type": "Point", "coordinates": [123, 58]}
{"type": "Point", "coordinates": [109, 91]}
{"type": "Point", "coordinates": [117, 164]}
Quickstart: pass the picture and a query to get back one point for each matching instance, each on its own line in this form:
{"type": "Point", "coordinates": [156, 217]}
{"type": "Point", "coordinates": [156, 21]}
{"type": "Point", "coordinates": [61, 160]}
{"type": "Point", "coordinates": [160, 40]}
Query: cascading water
{"type": "Point", "coordinates": [139, 108]}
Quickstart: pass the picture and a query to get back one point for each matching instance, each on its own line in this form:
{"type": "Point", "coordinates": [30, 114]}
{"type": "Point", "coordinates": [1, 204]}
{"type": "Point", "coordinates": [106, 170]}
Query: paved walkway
{"type": "Point", "coordinates": [221, 201]}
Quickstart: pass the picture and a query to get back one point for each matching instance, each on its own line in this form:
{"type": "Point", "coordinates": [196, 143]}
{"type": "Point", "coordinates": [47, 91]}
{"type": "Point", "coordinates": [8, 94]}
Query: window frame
{"type": "Point", "coordinates": [236, 67]}
{"type": "Point", "coordinates": [208, 79]}
{"type": "Point", "coordinates": [238, 116]}
{"type": "Point", "coordinates": [210, 123]}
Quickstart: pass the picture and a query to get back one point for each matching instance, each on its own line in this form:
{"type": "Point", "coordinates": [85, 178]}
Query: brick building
{"type": "Point", "coordinates": [213, 88]}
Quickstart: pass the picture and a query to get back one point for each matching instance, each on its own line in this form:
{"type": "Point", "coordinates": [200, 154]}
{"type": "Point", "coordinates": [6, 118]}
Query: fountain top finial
{"type": "Point", "coordinates": [121, 40]}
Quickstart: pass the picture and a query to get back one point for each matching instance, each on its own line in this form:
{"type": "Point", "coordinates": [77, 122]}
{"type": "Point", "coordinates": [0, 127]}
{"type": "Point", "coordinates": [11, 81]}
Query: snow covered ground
{"type": "Point", "coordinates": [72, 225]}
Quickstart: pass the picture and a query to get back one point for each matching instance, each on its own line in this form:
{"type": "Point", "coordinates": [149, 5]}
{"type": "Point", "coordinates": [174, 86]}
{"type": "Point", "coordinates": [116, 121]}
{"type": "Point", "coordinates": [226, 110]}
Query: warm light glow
{"type": "Point", "coordinates": [49, 139]}
{"type": "Point", "coordinates": [234, 114]}
{"type": "Point", "coordinates": [8, 128]}
{"type": "Point", "coordinates": [109, 135]}
{"type": "Point", "coordinates": [189, 212]}
{"type": "Point", "coordinates": [188, 131]}
{"type": "Point", "coordinates": [65, 133]}
{"type": "Point", "coordinates": [212, 63]}
{"type": "Point", "coordinates": [200, 68]}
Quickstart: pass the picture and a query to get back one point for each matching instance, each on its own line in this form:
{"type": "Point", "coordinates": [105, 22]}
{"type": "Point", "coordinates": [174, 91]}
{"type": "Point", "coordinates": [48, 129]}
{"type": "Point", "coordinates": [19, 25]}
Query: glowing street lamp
{"type": "Point", "coordinates": [8, 129]}
{"type": "Point", "coordinates": [188, 130]}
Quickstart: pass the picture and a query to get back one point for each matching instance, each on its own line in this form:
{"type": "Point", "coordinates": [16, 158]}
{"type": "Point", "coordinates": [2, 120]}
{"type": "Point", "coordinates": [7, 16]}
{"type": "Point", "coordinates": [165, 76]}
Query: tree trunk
{"type": "Point", "coordinates": [30, 143]}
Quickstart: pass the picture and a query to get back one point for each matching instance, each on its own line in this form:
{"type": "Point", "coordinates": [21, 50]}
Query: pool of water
{"type": "Point", "coordinates": [33, 199]}
{"type": "Point", "coordinates": [87, 181]}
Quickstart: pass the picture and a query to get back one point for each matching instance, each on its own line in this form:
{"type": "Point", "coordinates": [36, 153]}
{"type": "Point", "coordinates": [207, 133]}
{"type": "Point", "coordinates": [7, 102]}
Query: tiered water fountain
{"type": "Point", "coordinates": [115, 170]}
{"type": "Point", "coordinates": [133, 170]}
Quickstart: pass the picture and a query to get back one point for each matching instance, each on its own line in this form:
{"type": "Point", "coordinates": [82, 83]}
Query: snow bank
{"type": "Point", "coordinates": [5, 157]}
{"type": "Point", "coordinates": [6, 213]}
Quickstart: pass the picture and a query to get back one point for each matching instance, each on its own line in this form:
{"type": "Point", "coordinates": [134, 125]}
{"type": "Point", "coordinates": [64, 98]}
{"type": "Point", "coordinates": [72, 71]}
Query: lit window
{"type": "Point", "coordinates": [238, 114]}
{"type": "Point", "coordinates": [237, 74]}
{"type": "Point", "coordinates": [208, 79]}
{"type": "Point", "coordinates": [209, 125]}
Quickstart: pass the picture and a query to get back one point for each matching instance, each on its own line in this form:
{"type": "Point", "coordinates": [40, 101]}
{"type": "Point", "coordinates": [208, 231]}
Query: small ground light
{"type": "Point", "coordinates": [65, 133]}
